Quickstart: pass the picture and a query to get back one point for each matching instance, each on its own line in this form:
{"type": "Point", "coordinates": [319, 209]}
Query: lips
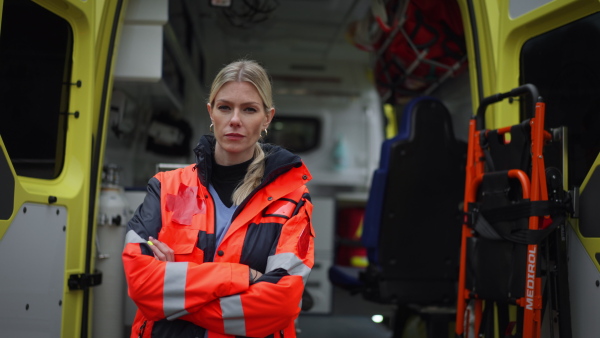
{"type": "Point", "coordinates": [234, 136]}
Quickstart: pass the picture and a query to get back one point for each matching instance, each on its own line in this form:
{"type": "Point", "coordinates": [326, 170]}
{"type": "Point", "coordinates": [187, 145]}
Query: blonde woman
{"type": "Point", "coordinates": [222, 247]}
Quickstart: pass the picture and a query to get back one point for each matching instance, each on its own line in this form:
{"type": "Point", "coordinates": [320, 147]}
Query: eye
{"type": "Point", "coordinates": [223, 107]}
{"type": "Point", "coordinates": [251, 110]}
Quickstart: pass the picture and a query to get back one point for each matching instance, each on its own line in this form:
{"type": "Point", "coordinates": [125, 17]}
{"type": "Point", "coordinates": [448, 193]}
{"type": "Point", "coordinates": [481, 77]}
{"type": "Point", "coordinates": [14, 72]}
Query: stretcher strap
{"type": "Point", "coordinates": [519, 210]}
{"type": "Point", "coordinates": [521, 236]}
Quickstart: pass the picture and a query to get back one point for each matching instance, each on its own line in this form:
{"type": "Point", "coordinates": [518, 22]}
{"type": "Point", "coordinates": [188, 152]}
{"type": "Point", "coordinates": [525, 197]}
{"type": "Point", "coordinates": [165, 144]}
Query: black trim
{"type": "Point", "coordinates": [305, 197]}
{"type": "Point", "coordinates": [260, 242]}
{"type": "Point", "coordinates": [176, 328]}
{"type": "Point", "coordinates": [588, 209]}
{"type": "Point", "coordinates": [84, 281]}
{"type": "Point", "coordinates": [298, 206]}
{"type": "Point", "coordinates": [7, 193]}
{"type": "Point", "coordinates": [276, 215]}
{"type": "Point", "coordinates": [146, 220]}
{"type": "Point", "coordinates": [274, 276]}
{"type": "Point", "coordinates": [95, 166]}
{"type": "Point", "coordinates": [476, 48]}
{"type": "Point", "coordinates": [208, 244]}
{"type": "Point", "coordinates": [280, 215]}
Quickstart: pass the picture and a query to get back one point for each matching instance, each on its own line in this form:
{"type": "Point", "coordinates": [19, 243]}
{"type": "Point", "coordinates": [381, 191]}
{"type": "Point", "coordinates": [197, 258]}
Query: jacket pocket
{"type": "Point", "coordinates": [183, 241]}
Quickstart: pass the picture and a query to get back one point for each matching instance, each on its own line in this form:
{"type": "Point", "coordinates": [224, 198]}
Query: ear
{"type": "Point", "coordinates": [209, 108]}
{"type": "Point", "coordinates": [270, 114]}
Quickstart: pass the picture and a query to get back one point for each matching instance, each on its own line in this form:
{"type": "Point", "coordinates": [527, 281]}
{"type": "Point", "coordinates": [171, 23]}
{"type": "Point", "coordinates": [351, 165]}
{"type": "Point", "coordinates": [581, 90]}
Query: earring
{"type": "Point", "coordinates": [266, 133]}
{"type": "Point", "coordinates": [211, 128]}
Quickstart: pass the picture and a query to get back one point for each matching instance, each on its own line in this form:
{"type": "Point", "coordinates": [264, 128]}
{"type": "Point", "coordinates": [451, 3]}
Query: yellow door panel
{"type": "Point", "coordinates": [55, 90]}
{"type": "Point", "coordinates": [495, 40]}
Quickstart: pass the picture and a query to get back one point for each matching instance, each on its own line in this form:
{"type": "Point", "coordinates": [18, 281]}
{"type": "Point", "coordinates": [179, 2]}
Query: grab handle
{"type": "Point", "coordinates": [522, 90]}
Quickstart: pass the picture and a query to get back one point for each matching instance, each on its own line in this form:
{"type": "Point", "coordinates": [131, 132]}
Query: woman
{"type": "Point", "coordinates": [223, 247]}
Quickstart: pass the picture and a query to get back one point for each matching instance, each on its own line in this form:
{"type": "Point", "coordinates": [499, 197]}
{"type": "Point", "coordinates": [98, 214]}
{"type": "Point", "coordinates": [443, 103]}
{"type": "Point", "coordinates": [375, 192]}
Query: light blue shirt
{"type": "Point", "coordinates": [222, 215]}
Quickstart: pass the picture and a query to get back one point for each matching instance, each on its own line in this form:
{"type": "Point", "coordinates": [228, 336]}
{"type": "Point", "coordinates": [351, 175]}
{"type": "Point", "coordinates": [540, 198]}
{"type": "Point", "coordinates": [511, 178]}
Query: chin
{"type": "Point", "coordinates": [237, 148]}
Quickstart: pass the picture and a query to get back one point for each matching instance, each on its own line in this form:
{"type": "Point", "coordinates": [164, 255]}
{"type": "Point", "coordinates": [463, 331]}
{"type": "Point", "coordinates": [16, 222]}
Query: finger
{"type": "Point", "coordinates": [158, 254]}
{"type": "Point", "coordinates": [152, 243]}
{"type": "Point", "coordinates": [166, 253]}
{"type": "Point", "coordinates": [256, 274]}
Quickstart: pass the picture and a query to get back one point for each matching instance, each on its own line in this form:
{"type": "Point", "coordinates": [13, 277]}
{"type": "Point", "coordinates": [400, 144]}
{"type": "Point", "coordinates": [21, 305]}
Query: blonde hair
{"type": "Point", "coordinates": [244, 71]}
{"type": "Point", "coordinates": [247, 71]}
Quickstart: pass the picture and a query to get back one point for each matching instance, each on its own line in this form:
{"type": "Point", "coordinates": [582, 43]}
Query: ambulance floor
{"type": "Point", "coordinates": [351, 317]}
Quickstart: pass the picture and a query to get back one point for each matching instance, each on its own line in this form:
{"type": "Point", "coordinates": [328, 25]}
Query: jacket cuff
{"type": "Point", "coordinates": [240, 278]}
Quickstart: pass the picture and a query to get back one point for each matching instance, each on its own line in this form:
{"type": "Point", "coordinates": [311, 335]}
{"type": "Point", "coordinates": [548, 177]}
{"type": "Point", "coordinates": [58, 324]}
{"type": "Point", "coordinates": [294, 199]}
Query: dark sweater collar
{"type": "Point", "coordinates": [229, 173]}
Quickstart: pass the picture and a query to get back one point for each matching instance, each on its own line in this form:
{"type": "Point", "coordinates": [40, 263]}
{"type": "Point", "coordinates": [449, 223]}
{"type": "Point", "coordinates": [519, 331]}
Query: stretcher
{"type": "Point", "coordinates": [508, 218]}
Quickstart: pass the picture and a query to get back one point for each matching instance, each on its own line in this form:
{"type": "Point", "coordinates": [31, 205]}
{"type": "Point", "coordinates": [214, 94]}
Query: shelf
{"type": "Point", "coordinates": [346, 178]}
{"type": "Point", "coordinates": [353, 197]}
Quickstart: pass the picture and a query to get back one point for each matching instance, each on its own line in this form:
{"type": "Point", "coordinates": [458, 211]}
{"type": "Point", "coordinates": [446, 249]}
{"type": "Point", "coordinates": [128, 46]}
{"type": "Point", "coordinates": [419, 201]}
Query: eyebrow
{"type": "Point", "coordinates": [243, 103]}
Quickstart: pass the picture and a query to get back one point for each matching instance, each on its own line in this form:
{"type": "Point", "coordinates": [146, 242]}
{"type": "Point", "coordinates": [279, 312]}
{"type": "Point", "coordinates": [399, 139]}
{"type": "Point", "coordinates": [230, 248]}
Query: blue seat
{"type": "Point", "coordinates": [412, 219]}
{"type": "Point", "coordinates": [374, 208]}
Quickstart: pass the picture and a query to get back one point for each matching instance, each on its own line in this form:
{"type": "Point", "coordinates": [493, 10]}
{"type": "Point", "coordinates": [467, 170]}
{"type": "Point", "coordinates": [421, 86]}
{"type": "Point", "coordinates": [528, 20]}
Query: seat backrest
{"type": "Point", "coordinates": [412, 220]}
{"type": "Point", "coordinates": [374, 207]}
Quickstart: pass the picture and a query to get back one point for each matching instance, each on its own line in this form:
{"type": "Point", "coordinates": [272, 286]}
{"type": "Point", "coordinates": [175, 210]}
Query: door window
{"type": "Point", "coordinates": [563, 65]}
{"type": "Point", "coordinates": [35, 71]}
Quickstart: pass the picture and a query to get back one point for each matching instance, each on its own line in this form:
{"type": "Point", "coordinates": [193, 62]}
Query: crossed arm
{"type": "Point", "coordinates": [164, 253]}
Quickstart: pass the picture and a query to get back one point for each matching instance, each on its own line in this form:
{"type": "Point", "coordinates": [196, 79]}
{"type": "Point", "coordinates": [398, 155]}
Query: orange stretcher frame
{"type": "Point", "coordinates": [534, 188]}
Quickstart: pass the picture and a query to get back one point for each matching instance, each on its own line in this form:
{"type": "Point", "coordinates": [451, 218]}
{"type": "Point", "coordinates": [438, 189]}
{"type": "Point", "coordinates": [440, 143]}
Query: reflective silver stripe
{"type": "Point", "coordinates": [177, 315]}
{"type": "Point", "coordinates": [289, 262]}
{"type": "Point", "coordinates": [133, 237]}
{"type": "Point", "coordinates": [233, 315]}
{"type": "Point", "coordinates": [174, 290]}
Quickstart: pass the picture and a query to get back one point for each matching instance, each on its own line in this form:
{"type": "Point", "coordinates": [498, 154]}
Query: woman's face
{"type": "Point", "coordinates": [238, 115]}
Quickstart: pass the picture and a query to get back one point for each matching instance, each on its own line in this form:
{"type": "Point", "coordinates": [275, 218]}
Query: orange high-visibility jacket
{"type": "Point", "coordinates": [207, 289]}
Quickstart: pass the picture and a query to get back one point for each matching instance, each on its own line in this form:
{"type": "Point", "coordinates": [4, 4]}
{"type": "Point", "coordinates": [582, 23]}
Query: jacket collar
{"type": "Point", "coordinates": [278, 160]}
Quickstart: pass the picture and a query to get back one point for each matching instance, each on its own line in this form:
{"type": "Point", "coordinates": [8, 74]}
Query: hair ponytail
{"type": "Point", "coordinates": [254, 176]}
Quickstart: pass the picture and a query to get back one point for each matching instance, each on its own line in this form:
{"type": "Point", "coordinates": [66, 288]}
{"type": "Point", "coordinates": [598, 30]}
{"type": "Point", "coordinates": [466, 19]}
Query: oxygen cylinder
{"type": "Point", "coordinates": [109, 297]}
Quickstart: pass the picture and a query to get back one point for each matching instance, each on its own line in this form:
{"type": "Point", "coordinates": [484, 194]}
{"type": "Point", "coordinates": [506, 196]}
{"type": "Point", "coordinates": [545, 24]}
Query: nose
{"type": "Point", "coordinates": [235, 117]}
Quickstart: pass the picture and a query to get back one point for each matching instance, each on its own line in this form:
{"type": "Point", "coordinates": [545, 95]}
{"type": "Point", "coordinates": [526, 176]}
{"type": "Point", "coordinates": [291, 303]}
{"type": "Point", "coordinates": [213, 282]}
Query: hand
{"type": "Point", "coordinates": [255, 274]}
{"type": "Point", "coordinates": [161, 251]}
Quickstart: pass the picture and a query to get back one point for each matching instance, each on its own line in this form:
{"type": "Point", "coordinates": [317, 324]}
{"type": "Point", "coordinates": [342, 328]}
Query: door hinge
{"type": "Point", "coordinates": [83, 281]}
{"type": "Point", "coordinates": [574, 202]}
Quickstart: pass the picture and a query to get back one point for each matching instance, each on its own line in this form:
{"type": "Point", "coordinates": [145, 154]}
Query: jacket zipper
{"type": "Point", "coordinates": [142, 329]}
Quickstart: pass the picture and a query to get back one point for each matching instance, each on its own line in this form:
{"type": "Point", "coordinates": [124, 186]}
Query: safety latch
{"type": "Point", "coordinates": [83, 281]}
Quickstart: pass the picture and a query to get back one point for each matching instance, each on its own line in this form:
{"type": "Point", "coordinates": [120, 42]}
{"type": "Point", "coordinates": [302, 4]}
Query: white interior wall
{"type": "Point", "coordinates": [456, 95]}
{"type": "Point", "coordinates": [139, 77]}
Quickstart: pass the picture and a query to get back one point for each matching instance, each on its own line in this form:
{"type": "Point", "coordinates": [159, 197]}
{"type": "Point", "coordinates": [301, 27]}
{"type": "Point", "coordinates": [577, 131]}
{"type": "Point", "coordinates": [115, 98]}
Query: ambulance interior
{"type": "Point", "coordinates": [377, 98]}
{"type": "Point", "coordinates": [321, 56]}
{"type": "Point", "coordinates": [339, 93]}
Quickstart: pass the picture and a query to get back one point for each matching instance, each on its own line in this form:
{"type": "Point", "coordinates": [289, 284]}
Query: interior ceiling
{"type": "Point", "coordinates": [295, 29]}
